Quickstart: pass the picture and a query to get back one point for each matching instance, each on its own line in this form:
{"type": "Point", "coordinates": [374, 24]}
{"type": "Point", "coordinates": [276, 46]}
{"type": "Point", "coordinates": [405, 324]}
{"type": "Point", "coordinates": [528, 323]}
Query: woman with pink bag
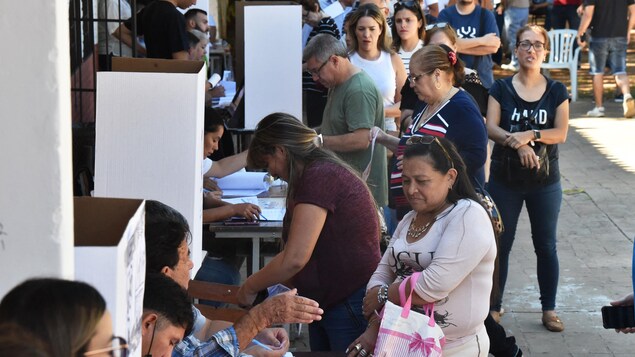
{"type": "Point", "coordinates": [448, 237]}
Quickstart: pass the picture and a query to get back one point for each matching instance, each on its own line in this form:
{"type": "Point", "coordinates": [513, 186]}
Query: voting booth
{"type": "Point", "coordinates": [110, 255]}
{"type": "Point", "coordinates": [269, 58]}
{"type": "Point", "coordinates": [149, 136]}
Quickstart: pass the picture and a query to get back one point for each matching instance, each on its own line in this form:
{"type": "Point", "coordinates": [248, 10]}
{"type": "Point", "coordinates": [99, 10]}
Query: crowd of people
{"type": "Point", "coordinates": [409, 81]}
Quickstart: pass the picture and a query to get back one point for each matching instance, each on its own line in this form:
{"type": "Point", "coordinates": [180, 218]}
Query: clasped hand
{"type": "Point", "coordinates": [516, 140]}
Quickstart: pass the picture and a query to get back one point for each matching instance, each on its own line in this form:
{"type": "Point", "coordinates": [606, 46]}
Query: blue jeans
{"type": "Point", "coordinates": [217, 270]}
{"type": "Point", "coordinates": [515, 18]}
{"type": "Point", "coordinates": [340, 325]}
{"type": "Point", "coordinates": [611, 49]}
{"type": "Point", "coordinates": [543, 206]}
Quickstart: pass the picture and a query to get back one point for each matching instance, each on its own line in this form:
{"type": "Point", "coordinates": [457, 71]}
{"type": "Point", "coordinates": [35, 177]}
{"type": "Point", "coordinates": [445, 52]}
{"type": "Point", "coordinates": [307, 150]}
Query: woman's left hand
{"type": "Point", "coordinates": [516, 140]}
{"type": "Point", "coordinates": [245, 297]}
{"type": "Point", "coordinates": [364, 345]}
{"type": "Point", "coordinates": [528, 157]}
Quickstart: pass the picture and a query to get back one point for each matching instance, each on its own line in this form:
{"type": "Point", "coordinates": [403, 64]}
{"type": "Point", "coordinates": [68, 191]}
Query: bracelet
{"type": "Point", "coordinates": [382, 294]}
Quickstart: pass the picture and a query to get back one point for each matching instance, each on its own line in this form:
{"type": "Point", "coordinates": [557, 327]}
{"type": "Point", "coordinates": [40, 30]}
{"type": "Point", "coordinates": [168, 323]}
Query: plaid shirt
{"type": "Point", "coordinates": [224, 343]}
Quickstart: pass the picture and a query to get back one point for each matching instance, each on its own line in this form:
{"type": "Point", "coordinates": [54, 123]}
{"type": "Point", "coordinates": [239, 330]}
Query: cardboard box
{"type": "Point", "coordinates": [149, 136]}
{"type": "Point", "coordinates": [110, 254]}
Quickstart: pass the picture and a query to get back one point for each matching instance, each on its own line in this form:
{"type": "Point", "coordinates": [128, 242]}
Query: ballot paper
{"type": "Point", "coordinates": [272, 208]}
{"type": "Point", "coordinates": [244, 183]}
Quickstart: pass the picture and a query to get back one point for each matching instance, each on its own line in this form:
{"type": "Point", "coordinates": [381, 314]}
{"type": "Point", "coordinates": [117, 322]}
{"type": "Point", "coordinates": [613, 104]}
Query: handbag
{"type": "Point", "coordinates": [511, 169]}
{"type": "Point", "coordinates": [490, 206]}
{"type": "Point", "coordinates": [404, 332]}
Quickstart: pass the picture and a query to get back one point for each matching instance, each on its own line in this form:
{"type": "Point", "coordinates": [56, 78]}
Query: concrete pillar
{"type": "Point", "coordinates": [36, 196]}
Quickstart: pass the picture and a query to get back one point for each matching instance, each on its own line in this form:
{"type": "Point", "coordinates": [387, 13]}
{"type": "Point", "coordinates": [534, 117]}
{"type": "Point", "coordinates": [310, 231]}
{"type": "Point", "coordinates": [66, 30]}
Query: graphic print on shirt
{"type": "Point", "coordinates": [540, 119]}
{"type": "Point", "coordinates": [466, 32]}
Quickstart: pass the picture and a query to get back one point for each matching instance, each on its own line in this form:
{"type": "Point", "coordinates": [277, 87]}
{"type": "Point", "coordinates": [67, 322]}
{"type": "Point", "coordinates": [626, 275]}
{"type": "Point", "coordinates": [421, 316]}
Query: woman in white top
{"type": "Point", "coordinates": [408, 29]}
{"type": "Point", "coordinates": [448, 236]}
{"type": "Point", "coordinates": [370, 52]}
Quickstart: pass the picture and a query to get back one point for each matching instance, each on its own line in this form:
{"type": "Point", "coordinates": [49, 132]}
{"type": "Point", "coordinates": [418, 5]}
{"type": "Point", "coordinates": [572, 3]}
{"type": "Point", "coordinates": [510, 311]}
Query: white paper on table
{"type": "Point", "coordinates": [272, 208]}
{"type": "Point", "coordinates": [242, 192]}
{"type": "Point", "coordinates": [243, 180]}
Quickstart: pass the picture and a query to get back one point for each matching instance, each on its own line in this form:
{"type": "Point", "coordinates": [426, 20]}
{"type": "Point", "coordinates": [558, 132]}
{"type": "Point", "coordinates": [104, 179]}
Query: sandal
{"type": "Point", "coordinates": [496, 315]}
{"type": "Point", "coordinates": [552, 323]}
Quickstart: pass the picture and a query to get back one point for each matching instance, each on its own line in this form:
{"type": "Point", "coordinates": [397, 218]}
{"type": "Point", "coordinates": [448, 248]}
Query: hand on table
{"type": "Point", "coordinates": [248, 210]}
{"type": "Point", "coordinates": [276, 339]}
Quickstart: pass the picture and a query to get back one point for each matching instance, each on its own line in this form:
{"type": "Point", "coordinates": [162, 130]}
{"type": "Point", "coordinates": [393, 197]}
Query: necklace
{"type": "Point", "coordinates": [430, 110]}
{"type": "Point", "coordinates": [414, 232]}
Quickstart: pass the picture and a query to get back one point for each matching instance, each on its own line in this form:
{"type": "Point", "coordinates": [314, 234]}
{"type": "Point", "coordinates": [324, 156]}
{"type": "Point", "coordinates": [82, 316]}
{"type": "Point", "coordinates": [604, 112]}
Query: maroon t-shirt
{"type": "Point", "coordinates": [347, 251]}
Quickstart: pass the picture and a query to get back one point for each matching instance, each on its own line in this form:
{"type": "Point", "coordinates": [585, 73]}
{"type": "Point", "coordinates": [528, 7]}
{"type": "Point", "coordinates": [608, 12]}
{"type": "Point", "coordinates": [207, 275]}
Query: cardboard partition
{"type": "Point", "coordinates": [110, 255]}
{"type": "Point", "coordinates": [269, 58]}
{"type": "Point", "coordinates": [149, 136]}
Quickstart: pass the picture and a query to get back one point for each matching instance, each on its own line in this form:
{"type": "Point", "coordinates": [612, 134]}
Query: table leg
{"type": "Point", "coordinates": [255, 254]}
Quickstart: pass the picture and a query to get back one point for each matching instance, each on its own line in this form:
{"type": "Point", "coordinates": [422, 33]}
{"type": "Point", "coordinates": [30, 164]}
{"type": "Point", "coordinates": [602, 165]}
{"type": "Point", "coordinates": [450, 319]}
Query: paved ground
{"type": "Point", "coordinates": [596, 229]}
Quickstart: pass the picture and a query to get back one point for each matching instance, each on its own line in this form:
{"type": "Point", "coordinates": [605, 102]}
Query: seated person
{"type": "Point", "coordinates": [167, 236]}
{"type": "Point", "coordinates": [167, 315]}
{"type": "Point", "coordinates": [69, 316]}
{"type": "Point", "coordinates": [214, 209]}
{"type": "Point", "coordinates": [222, 262]}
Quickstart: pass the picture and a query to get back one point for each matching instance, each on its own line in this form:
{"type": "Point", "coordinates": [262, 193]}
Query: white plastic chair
{"type": "Point", "coordinates": [563, 55]}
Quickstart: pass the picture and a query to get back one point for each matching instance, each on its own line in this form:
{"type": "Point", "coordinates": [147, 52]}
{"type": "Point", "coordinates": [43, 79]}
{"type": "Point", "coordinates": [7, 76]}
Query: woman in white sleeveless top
{"type": "Point", "coordinates": [370, 52]}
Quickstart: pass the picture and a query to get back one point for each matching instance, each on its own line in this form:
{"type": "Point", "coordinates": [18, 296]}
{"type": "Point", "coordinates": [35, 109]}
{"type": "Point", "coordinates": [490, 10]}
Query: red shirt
{"type": "Point", "coordinates": [347, 251]}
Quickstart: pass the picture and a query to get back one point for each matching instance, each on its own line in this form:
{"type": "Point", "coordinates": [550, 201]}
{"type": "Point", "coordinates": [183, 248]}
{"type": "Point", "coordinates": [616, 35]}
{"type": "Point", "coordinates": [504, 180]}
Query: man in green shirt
{"type": "Point", "coordinates": [353, 107]}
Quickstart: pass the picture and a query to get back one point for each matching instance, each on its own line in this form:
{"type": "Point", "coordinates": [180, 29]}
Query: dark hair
{"type": "Point", "coordinates": [309, 5]}
{"type": "Point", "coordinates": [192, 40]}
{"type": "Point", "coordinates": [432, 57]}
{"type": "Point", "coordinates": [213, 121]}
{"type": "Point", "coordinates": [415, 8]}
{"type": "Point", "coordinates": [191, 13]}
{"type": "Point", "coordinates": [447, 30]}
{"type": "Point", "coordinates": [166, 229]}
{"type": "Point", "coordinates": [15, 341]}
{"type": "Point", "coordinates": [436, 156]}
{"type": "Point", "coordinates": [281, 129]}
{"type": "Point", "coordinates": [535, 28]}
{"type": "Point", "coordinates": [166, 298]}
{"type": "Point", "coordinates": [62, 313]}
{"type": "Point", "coordinates": [372, 11]}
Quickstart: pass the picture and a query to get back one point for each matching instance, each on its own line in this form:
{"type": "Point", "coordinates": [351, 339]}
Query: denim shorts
{"type": "Point", "coordinates": [607, 50]}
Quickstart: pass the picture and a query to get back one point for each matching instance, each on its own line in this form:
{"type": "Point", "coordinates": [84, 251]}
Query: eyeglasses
{"type": "Point", "coordinates": [437, 25]}
{"type": "Point", "coordinates": [118, 348]}
{"type": "Point", "coordinates": [413, 77]}
{"type": "Point", "coordinates": [527, 45]}
{"type": "Point", "coordinates": [427, 140]}
{"type": "Point", "coordinates": [317, 71]}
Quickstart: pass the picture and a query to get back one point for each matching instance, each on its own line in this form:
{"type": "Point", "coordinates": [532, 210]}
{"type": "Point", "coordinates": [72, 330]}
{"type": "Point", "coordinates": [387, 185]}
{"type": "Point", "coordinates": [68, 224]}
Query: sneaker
{"type": "Point", "coordinates": [596, 112]}
{"type": "Point", "coordinates": [629, 108]}
{"type": "Point", "coordinates": [509, 67]}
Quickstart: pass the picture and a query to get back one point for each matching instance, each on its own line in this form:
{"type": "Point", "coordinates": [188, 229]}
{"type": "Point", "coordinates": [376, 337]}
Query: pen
{"type": "Point", "coordinates": [261, 215]}
{"type": "Point", "coordinates": [258, 343]}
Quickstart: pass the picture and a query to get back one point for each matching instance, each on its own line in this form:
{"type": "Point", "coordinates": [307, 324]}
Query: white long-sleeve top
{"type": "Point", "coordinates": [456, 258]}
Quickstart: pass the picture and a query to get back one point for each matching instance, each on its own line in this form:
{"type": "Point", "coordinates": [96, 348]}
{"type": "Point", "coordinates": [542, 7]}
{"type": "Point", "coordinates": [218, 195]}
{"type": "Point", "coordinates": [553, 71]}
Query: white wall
{"type": "Point", "coordinates": [36, 198]}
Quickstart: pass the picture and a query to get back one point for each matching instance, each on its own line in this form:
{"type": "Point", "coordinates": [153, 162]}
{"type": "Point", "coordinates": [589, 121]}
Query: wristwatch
{"type": "Point", "coordinates": [536, 134]}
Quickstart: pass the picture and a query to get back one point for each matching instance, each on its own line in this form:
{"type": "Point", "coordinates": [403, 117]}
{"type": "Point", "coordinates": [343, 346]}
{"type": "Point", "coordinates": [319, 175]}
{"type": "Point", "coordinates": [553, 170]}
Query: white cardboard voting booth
{"type": "Point", "coordinates": [271, 58]}
{"type": "Point", "coordinates": [110, 255]}
{"type": "Point", "coordinates": [149, 136]}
